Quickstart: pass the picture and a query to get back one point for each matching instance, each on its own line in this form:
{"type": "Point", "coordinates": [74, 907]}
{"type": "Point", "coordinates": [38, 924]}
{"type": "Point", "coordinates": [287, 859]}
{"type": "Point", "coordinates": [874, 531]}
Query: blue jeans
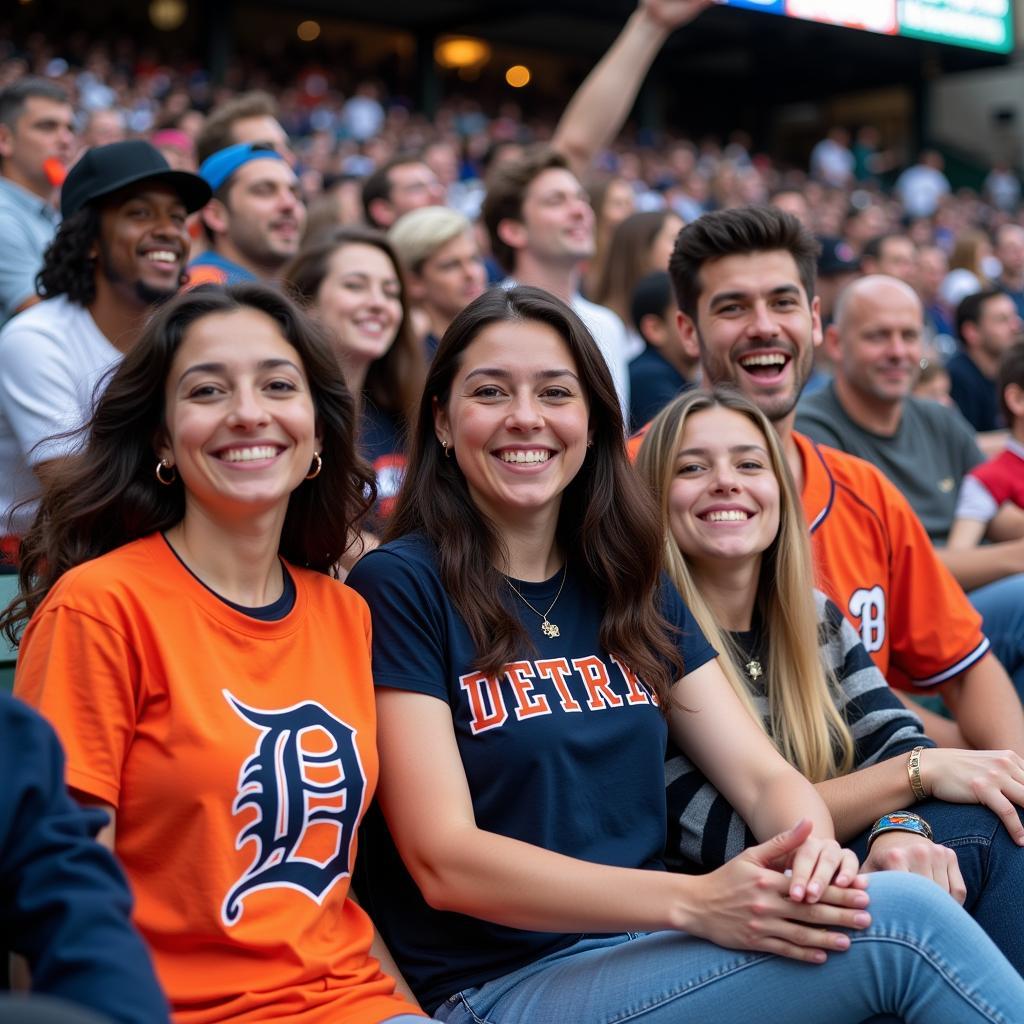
{"type": "Point", "coordinates": [407, 1018]}
{"type": "Point", "coordinates": [1001, 606]}
{"type": "Point", "coordinates": [922, 959]}
{"type": "Point", "coordinates": [992, 865]}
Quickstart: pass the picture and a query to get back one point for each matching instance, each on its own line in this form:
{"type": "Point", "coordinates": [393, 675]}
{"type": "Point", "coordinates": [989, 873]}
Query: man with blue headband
{"type": "Point", "coordinates": [253, 224]}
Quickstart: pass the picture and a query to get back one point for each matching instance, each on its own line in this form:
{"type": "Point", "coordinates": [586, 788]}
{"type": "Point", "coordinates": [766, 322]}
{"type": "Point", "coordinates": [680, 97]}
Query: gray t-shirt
{"type": "Point", "coordinates": [27, 226]}
{"type": "Point", "coordinates": [926, 458]}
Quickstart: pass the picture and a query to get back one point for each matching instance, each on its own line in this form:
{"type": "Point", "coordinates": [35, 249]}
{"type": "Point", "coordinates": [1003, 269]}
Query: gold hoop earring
{"type": "Point", "coordinates": [444, 445]}
{"type": "Point", "coordinates": [317, 465]}
{"type": "Point", "coordinates": [161, 466]}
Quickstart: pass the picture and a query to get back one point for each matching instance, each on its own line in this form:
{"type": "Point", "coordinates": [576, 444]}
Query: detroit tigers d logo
{"type": "Point", "coordinates": [306, 784]}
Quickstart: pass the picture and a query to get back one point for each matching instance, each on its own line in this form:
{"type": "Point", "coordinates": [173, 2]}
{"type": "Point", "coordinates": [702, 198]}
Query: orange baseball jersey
{"type": "Point", "coordinates": [874, 559]}
{"type": "Point", "coordinates": [240, 757]}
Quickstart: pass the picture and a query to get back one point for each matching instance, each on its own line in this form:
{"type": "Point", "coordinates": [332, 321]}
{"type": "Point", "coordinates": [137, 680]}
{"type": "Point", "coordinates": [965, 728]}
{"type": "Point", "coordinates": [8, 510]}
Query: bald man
{"type": "Point", "coordinates": [923, 447]}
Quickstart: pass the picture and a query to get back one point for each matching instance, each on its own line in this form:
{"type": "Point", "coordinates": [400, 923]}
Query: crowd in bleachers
{"type": "Point", "coordinates": [253, 338]}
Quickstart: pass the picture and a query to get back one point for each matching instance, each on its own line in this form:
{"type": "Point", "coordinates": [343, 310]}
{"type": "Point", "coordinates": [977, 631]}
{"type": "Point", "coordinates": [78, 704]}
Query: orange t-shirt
{"type": "Point", "coordinates": [240, 756]}
{"type": "Point", "coordinates": [874, 559]}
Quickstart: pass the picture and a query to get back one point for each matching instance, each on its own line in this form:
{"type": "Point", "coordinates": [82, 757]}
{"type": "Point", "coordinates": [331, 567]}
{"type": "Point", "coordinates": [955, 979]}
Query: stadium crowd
{"type": "Point", "coordinates": [659, 474]}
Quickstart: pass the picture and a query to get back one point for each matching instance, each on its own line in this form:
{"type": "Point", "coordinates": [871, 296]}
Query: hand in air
{"type": "Point", "coordinates": [673, 14]}
{"type": "Point", "coordinates": [748, 906]}
{"type": "Point", "coordinates": [994, 778]}
{"type": "Point", "coordinates": [909, 851]}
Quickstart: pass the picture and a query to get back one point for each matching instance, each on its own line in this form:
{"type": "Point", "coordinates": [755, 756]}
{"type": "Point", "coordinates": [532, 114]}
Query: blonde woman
{"type": "Point", "coordinates": [736, 546]}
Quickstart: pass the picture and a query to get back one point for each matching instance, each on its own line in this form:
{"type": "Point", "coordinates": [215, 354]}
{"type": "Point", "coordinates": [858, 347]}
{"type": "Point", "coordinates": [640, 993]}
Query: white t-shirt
{"type": "Point", "coordinates": [52, 356]}
{"type": "Point", "coordinates": [612, 339]}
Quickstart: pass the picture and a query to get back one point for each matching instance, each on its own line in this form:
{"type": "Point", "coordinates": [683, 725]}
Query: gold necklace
{"type": "Point", "coordinates": [549, 629]}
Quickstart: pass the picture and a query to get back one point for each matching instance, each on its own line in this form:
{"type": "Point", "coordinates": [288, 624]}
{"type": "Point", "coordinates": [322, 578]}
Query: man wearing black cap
{"type": "Point", "coordinates": [120, 251]}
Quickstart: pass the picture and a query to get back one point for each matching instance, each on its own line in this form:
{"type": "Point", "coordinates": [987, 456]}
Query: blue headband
{"type": "Point", "coordinates": [216, 169]}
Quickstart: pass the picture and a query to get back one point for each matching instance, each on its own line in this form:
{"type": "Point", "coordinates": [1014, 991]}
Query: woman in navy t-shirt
{"type": "Point", "coordinates": [351, 282]}
{"type": "Point", "coordinates": [531, 662]}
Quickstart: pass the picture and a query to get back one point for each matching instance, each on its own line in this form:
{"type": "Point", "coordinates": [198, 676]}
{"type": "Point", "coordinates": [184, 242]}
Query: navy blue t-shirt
{"type": "Point", "coordinates": [653, 383]}
{"type": "Point", "coordinates": [565, 751]}
{"type": "Point", "coordinates": [382, 444]}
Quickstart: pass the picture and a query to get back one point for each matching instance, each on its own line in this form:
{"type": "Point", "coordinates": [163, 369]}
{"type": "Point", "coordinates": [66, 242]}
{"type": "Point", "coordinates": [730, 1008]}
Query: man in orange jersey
{"type": "Point", "coordinates": [745, 284]}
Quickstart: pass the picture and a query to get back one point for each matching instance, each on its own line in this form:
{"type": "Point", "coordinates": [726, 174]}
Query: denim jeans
{"type": "Point", "coordinates": [407, 1018]}
{"type": "Point", "coordinates": [922, 960]}
{"type": "Point", "coordinates": [1001, 606]}
{"type": "Point", "coordinates": [992, 865]}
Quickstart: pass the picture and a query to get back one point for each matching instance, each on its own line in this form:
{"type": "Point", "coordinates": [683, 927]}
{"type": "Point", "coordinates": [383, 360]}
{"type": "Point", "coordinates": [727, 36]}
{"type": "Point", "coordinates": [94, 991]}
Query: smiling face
{"type": "Point", "coordinates": [755, 328]}
{"type": "Point", "coordinates": [264, 213]}
{"type": "Point", "coordinates": [359, 301]}
{"type": "Point", "coordinates": [239, 423]}
{"type": "Point", "coordinates": [143, 244]}
{"type": "Point", "coordinates": [878, 338]}
{"type": "Point", "coordinates": [723, 503]}
{"type": "Point", "coordinates": [557, 220]}
{"type": "Point", "coordinates": [517, 420]}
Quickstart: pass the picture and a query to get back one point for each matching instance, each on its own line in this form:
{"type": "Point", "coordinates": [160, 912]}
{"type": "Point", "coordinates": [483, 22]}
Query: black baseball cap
{"type": "Point", "coordinates": [836, 257]}
{"type": "Point", "coordinates": [103, 170]}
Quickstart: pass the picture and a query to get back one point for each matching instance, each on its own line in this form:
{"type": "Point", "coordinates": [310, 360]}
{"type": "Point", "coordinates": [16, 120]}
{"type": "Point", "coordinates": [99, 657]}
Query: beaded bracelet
{"type": "Point", "coordinates": [900, 821]}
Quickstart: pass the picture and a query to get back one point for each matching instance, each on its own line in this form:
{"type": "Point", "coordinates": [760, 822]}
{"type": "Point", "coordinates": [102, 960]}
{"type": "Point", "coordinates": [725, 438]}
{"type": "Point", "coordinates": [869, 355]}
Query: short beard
{"type": "Point", "coordinates": [147, 294]}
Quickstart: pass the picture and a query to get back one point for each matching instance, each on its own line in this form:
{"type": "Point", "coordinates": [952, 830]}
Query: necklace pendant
{"type": "Point", "coordinates": [549, 629]}
{"type": "Point", "coordinates": [754, 669]}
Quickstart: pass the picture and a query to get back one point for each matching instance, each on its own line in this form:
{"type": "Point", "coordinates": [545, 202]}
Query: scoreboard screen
{"type": "Point", "coordinates": [978, 24]}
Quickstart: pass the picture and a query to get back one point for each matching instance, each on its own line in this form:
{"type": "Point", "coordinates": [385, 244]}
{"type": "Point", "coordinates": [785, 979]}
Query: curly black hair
{"type": "Point", "coordinates": [68, 267]}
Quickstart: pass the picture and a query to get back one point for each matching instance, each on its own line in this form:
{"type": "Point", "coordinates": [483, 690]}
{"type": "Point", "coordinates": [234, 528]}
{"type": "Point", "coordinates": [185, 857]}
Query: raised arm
{"type": "Point", "coordinates": [599, 108]}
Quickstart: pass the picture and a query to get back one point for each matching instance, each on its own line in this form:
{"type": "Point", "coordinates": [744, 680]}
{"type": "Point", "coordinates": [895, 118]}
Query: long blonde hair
{"type": "Point", "coordinates": [804, 722]}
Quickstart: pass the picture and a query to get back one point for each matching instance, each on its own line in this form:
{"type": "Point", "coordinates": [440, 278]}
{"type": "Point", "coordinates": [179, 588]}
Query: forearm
{"type": "Point", "coordinates": [496, 878]}
{"type": "Point", "coordinates": [986, 707]}
{"type": "Point", "coordinates": [974, 567]}
{"type": "Point", "coordinates": [857, 800]}
{"type": "Point", "coordinates": [944, 732]}
{"type": "Point", "coordinates": [781, 801]}
{"type": "Point", "coordinates": [600, 106]}
{"type": "Point", "coordinates": [966, 534]}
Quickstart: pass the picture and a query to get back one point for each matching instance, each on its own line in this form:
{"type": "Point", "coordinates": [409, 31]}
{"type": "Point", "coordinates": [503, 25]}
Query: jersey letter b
{"type": "Point", "coordinates": [869, 607]}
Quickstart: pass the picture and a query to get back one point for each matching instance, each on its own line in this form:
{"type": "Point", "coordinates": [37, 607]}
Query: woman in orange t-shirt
{"type": "Point", "coordinates": [209, 680]}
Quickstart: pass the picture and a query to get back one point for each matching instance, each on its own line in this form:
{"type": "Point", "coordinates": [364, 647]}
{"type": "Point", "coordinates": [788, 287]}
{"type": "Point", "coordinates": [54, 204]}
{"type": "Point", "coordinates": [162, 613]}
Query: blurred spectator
{"type": "Point", "coordinates": [932, 268]}
{"type": "Point", "coordinates": [1002, 187]}
{"type": "Point", "coordinates": [251, 117]}
{"type": "Point", "coordinates": [541, 227]}
{"type": "Point", "coordinates": [36, 143]}
{"type": "Point", "coordinates": [253, 224]}
{"type": "Point", "coordinates": [933, 383]}
{"type": "Point", "coordinates": [967, 267]}
{"type": "Point", "coordinates": [832, 161]}
{"type": "Point", "coordinates": [663, 368]}
{"type": "Point", "coordinates": [862, 223]}
{"type": "Point", "coordinates": [104, 126]}
{"type": "Point", "coordinates": [1000, 480]}
{"type": "Point", "coordinates": [362, 116]}
{"type": "Point", "coordinates": [1010, 253]}
{"type": "Point", "coordinates": [894, 255]}
{"type": "Point", "coordinates": [641, 244]}
{"type": "Point", "coordinates": [922, 187]}
{"type": "Point", "coordinates": [402, 184]}
{"type": "Point", "coordinates": [120, 251]}
{"type": "Point", "coordinates": [613, 200]}
{"type": "Point", "coordinates": [791, 201]}
{"type": "Point", "coordinates": [987, 325]}
{"type": "Point", "coordinates": [176, 147]}
{"type": "Point", "coordinates": [869, 162]}
{"type": "Point", "coordinates": [443, 266]}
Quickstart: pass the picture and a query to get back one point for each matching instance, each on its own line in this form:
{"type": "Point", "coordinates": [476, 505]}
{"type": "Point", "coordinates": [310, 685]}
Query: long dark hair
{"type": "Point", "coordinates": [68, 267]}
{"type": "Point", "coordinates": [394, 381]}
{"type": "Point", "coordinates": [608, 525]}
{"type": "Point", "coordinates": [106, 494]}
